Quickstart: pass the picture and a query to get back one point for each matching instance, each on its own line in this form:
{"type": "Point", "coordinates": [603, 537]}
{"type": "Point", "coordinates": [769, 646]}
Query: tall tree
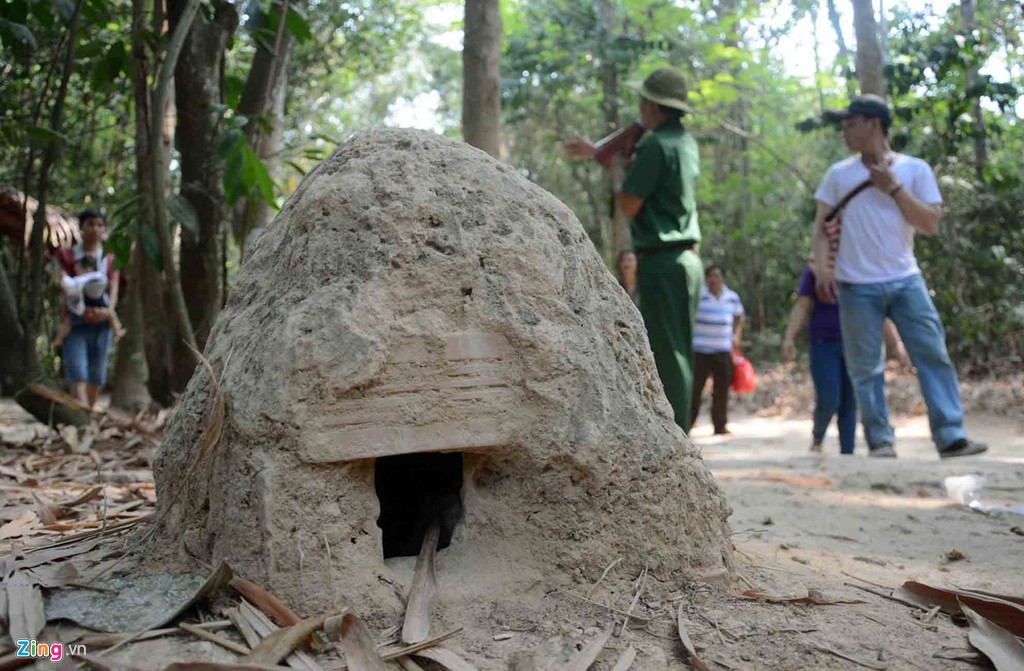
{"type": "Point", "coordinates": [869, 51]}
{"type": "Point", "coordinates": [129, 388]}
{"type": "Point", "coordinates": [132, 360]}
{"type": "Point", "coordinates": [151, 279]}
{"type": "Point", "coordinates": [262, 105]}
{"type": "Point", "coordinates": [481, 76]}
{"type": "Point", "coordinates": [844, 52]}
{"type": "Point", "coordinates": [971, 89]}
{"type": "Point", "coordinates": [198, 79]}
{"type": "Point", "coordinates": [163, 80]}
{"type": "Point", "coordinates": [608, 26]}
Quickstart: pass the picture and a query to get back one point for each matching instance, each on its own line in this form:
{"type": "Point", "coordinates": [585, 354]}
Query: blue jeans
{"type": "Point", "coordinates": [833, 394]}
{"type": "Point", "coordinates": [862, 310]}
{"type": "Point", "coordinates": [86, 352]}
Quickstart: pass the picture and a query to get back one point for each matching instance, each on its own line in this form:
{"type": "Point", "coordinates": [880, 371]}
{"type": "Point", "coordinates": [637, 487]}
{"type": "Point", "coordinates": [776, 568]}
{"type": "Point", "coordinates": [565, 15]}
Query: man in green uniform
{"type": "Point", "coordinates": [659, 197]}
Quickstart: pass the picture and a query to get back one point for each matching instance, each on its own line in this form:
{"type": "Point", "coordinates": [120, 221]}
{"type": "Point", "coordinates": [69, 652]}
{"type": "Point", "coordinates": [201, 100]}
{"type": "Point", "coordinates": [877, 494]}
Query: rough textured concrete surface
{"type": "Point", "coordinates": [415, 295]}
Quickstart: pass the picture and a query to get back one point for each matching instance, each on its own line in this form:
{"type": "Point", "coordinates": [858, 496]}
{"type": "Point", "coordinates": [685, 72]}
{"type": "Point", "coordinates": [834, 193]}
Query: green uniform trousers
{"type": "Point", "coordinates": [669, 284]}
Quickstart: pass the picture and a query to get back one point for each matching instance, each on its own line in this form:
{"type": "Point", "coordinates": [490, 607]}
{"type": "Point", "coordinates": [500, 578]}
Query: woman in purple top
{"type": "Point", "coordinates": [833, 390]}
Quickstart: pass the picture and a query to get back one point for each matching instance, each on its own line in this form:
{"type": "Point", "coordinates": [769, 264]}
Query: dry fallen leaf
{"type": "Point", "coordinates": [1004, 649]}
{"type": "Point", "coordinates": [1007, 612]}
{"type": "Point", "coordinates": [684, 636]}
{"type": "Point", "coordinates": [24, 607]}
{"type": "Point", "coordinates": [49, 511]}
{"type": "Point", "coordinates": [360, 650]}
{"type": "Point", "coordinates": [20, 526]}
{"type": "Point", "coordinates": [69, 434]}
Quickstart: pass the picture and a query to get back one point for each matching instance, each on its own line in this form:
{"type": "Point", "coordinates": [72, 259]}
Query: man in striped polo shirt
{"type": "Point", "coordinates": [719, 324]}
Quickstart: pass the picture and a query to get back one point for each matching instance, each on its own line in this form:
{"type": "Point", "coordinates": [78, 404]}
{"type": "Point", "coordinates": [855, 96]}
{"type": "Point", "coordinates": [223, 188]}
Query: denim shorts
{"type": "Point", "coordinates": [86, 352]}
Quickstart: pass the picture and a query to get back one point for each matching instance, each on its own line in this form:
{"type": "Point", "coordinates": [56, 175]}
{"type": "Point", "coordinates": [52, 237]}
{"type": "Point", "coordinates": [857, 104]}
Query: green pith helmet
{"type": "Point", "coordinates": [665, 86]}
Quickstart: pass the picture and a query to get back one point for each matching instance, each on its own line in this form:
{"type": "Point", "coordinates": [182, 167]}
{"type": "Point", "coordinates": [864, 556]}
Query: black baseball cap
{"type": "Point", "coordinates": [868, 105]}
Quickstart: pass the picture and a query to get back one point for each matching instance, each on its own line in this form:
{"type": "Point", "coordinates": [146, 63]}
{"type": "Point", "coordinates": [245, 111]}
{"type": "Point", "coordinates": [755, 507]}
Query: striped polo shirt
{"type": "Point", "coordinates": [715, 318]}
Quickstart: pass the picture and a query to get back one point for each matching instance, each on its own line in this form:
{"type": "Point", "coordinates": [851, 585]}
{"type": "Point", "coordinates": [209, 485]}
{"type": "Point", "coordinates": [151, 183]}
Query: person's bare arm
{"type": "Point", "coordinates": [737, 331]}
{"type": "Point", "coordinates": [922, 216]}
{"type": "Point", "coordinates": [798, 318]}
{"type": "Point", "coordinates": [114, 289]}
{"type": "Point", "coordinates": [824, 276]}
{"type": "Point", "coordinates": [628, 205]}
{"type": "Point", "coordinates": [578, 148]}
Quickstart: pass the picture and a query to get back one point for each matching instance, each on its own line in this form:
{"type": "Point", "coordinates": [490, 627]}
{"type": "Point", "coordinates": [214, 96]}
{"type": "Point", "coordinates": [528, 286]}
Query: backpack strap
{"type": "Point", "coordinates": [834, 212]}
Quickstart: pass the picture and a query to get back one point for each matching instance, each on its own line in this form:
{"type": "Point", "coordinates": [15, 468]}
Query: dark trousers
{"type": "Point", "coordinates": [833, 394]}
{"type": "Point", "coordinates": [719, 367]}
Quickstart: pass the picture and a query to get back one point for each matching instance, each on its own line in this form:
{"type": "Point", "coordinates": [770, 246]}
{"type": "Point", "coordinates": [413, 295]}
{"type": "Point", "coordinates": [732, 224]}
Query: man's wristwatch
{"type": "Point", "coordinates": [895, 190]}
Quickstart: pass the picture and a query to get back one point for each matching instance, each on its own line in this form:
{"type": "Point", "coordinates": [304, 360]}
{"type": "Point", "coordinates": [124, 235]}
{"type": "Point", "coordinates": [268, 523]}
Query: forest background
{"type": "Point", "coordinates": [189, 122]}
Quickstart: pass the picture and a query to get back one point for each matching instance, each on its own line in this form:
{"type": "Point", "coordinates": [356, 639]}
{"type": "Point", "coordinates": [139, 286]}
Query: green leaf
{"type": "Point", "coordinates": [44, 135]}
{"type": "Point", "coordinates": [256, 175]}
{"type": "Point", "coordinates": [43, 12]}
{"type": "Point", "coordinates": [110, 67]}
{"type": "Point", "coordinates": [234, 186]}
{"type": "Point", "coordinates": [120, 245]}
{"type": "Point", "coordinates": [125, 212]}
{"type": "Point", "coordinates": [151, 247]}
{"type": "Point", "coordinates": [182, 213]}
{"type": "Point", "coordinates": [298, 25]}
{"type": "Point", "coordinates": [91, 49]}
{"type": "Point", "coordinates": [234, 85]}
{"type": "Point", "coordinates": [229, 143]}
{"type": "Point", "coordinates": [18, 36]}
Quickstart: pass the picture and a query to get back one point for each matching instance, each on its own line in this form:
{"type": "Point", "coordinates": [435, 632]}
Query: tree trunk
{"type": "Point", "coordinates": [131, 365]}
{"type": "Point", "coordinates": [258, 213]}
{"type": "Point", "coordinates": [158, 333]}
{"type": "Point", "coordinates": [844, 51]}
{"type": "Point", "coordinates": [481, 76]}
{"type": "Point", "coordinates": [163, 84]}
{"type": "Point", "coordinates": [817, 56]}
{"type": "Point", "coordinates": [197, 79]}
{"type": "Point", "coordinates": [869, 52]}
{"type": "Point", "coordinates": [149, 343]}
{"type": "Point", "coordinates": [262, 102]}
{"type": "Point", "coordinates": [979, 132]}
{"type": "Point", "coordinates": [131, 372]}
{"type": "Point", "coordinates": [608, 22]}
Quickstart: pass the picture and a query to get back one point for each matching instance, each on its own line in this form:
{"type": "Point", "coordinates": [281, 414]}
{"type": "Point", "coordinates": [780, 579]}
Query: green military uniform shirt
{"type": "Point", "coordinates": [664, 175]}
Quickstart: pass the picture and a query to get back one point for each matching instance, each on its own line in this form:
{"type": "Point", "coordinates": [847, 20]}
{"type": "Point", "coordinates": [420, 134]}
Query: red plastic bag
{"type": "Point", "coordinates": [744, 380]}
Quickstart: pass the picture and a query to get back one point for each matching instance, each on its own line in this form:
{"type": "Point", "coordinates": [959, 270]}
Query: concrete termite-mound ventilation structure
{"type": "Point", "coordinates": [424, 335]}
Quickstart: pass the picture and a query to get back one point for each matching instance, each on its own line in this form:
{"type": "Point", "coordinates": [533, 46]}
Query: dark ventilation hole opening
{"type": "Point", "coordinates": [414, 491]}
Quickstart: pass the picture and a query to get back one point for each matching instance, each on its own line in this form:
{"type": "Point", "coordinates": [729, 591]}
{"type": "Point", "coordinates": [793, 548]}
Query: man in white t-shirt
{"type": "Point", "coordinates": [876, 276]}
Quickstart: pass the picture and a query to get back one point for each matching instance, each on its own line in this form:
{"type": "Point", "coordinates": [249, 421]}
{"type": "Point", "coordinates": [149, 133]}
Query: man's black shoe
{"type": "Point", "coordinates": [962, 448]}
{"type": "Point", "coordinates": [882, 450]}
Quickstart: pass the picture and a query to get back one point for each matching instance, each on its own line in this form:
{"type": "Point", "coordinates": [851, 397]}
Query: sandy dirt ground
{"type": "Point", "coordinates": [824, 523]}
{"type": "Point", "coordinates": [803, 524]}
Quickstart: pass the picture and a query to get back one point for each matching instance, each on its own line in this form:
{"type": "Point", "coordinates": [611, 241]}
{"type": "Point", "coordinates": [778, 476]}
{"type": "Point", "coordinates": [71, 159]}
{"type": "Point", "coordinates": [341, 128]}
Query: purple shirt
{"type": "Point", "coordinates": [824, 324]}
